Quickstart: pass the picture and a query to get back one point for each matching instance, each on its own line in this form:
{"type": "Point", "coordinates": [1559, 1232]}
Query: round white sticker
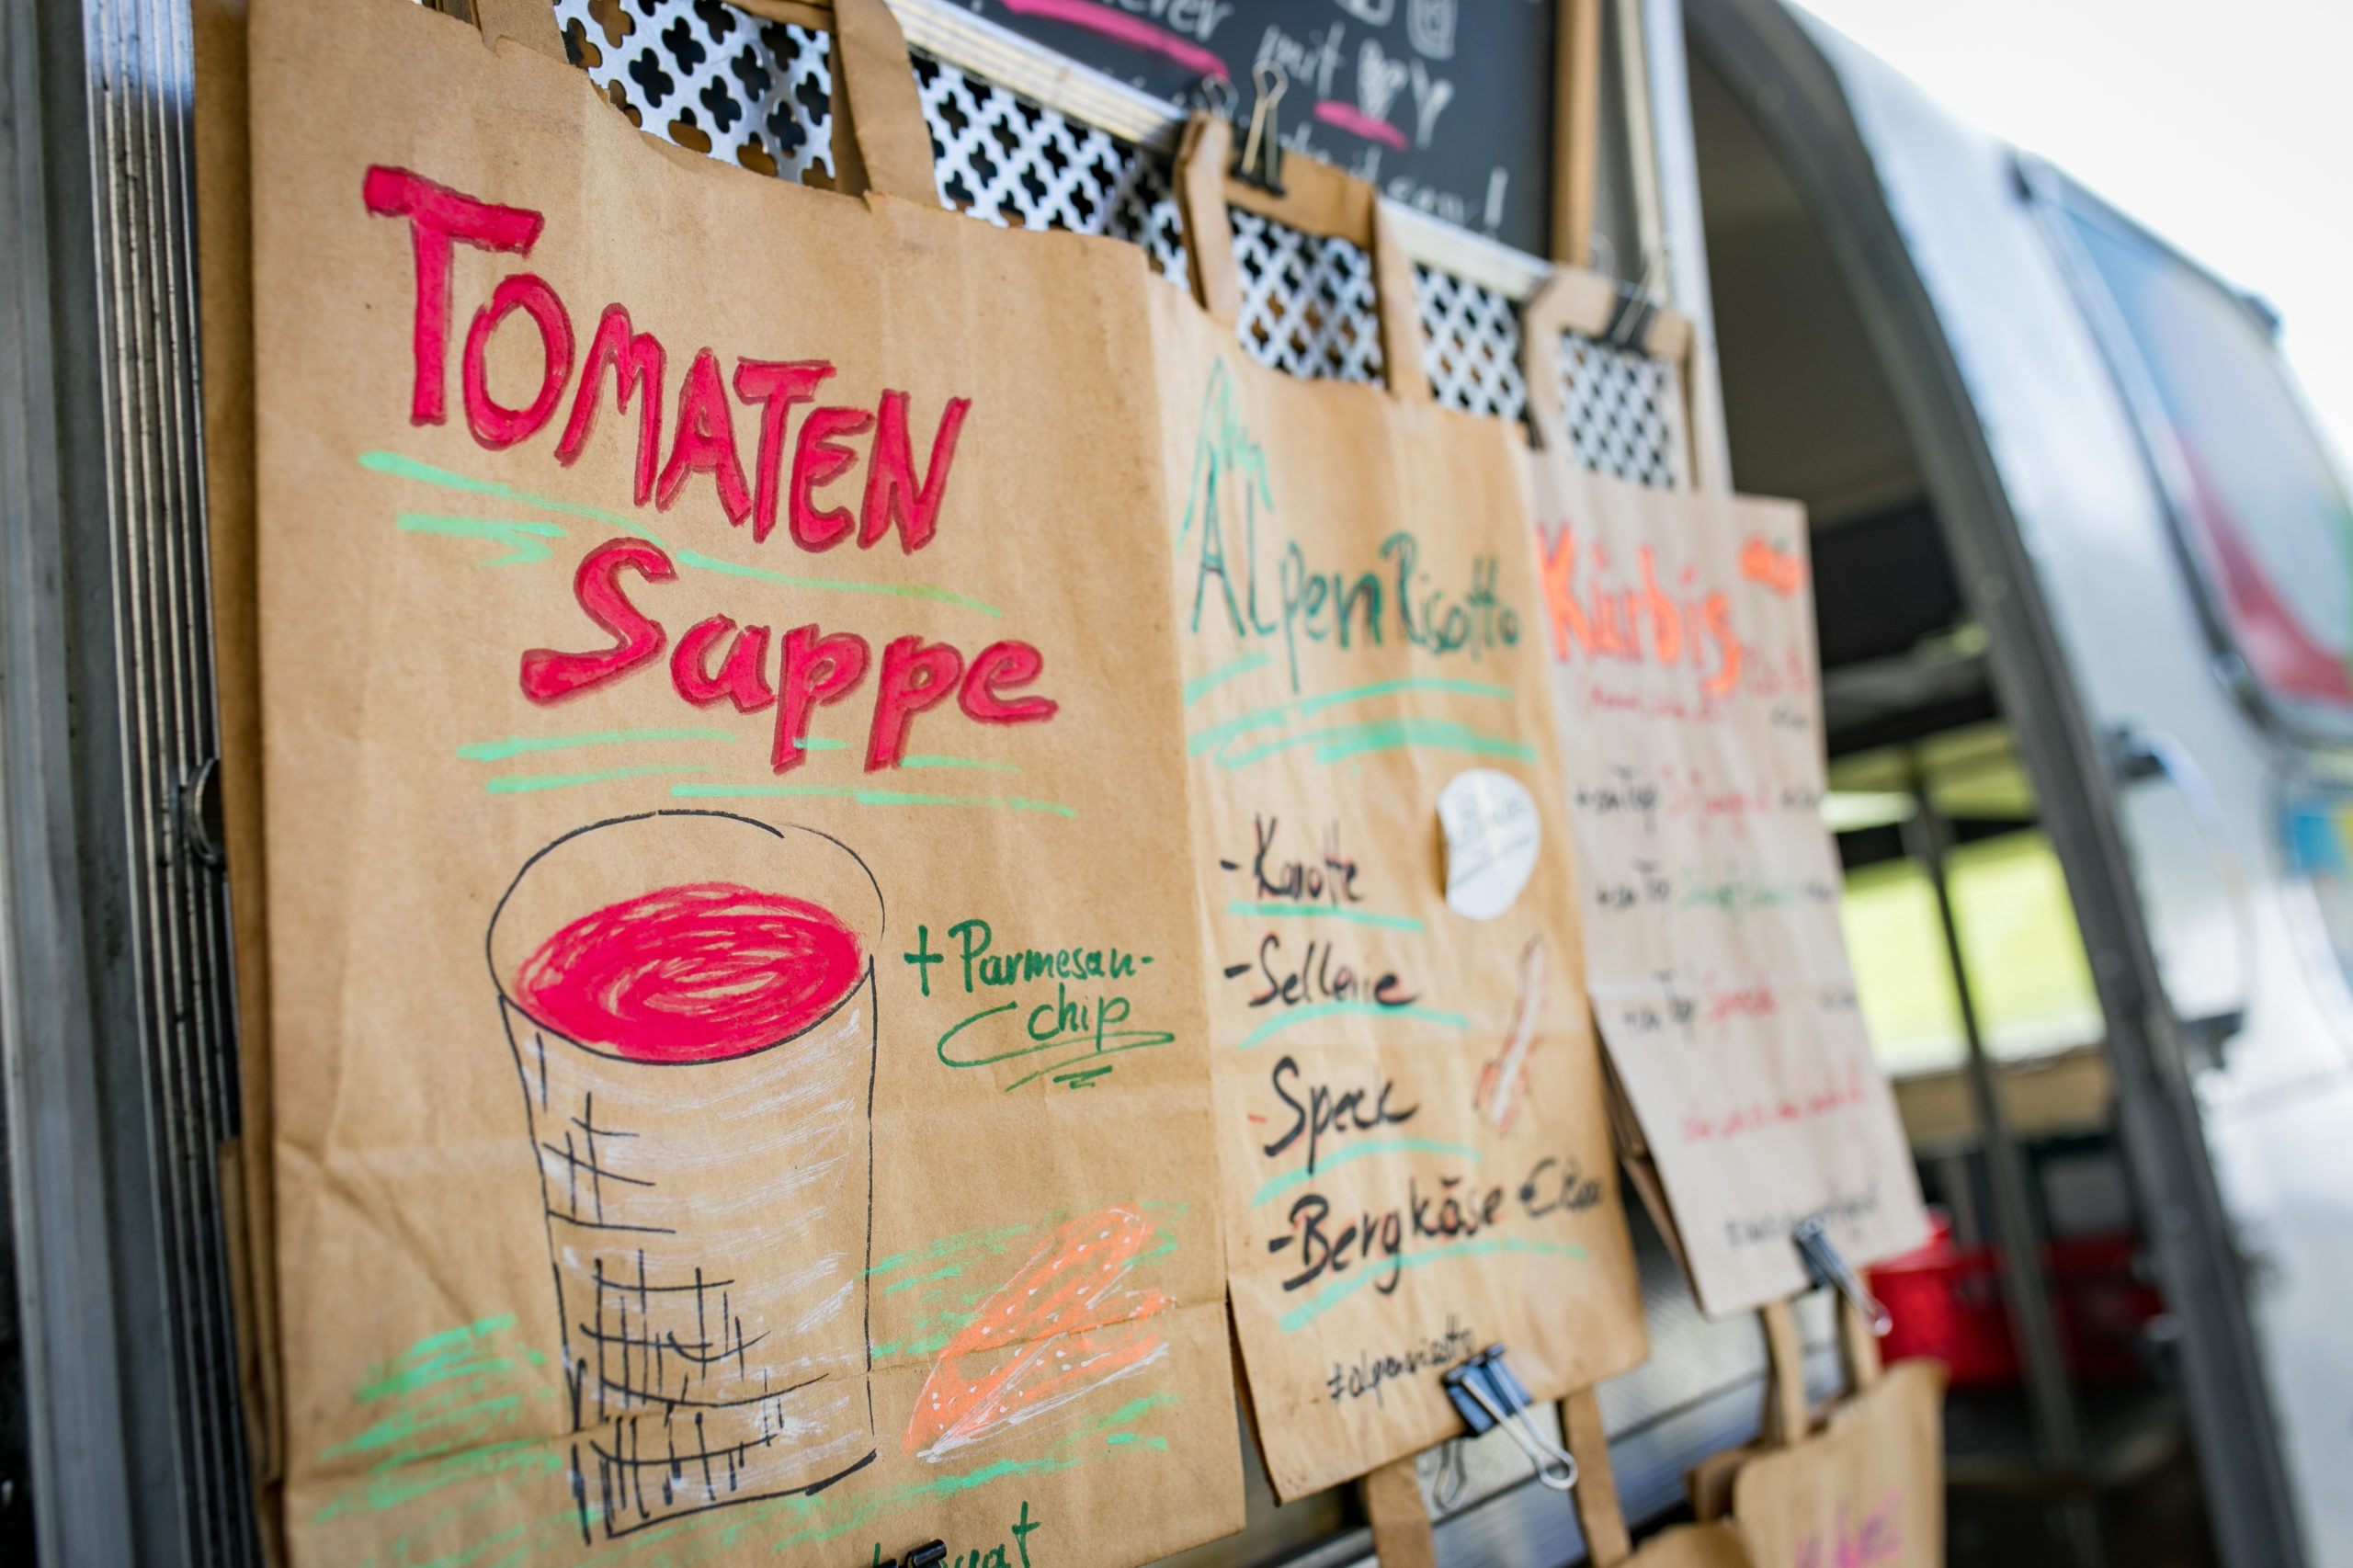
{"type": "Point", "coordinates": [1492, 836]}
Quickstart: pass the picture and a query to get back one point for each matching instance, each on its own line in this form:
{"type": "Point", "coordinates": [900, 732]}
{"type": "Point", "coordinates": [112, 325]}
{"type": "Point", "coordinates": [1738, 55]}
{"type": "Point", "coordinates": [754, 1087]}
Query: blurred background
{"type": "Point", "coordinates": [2036, 305]}
{"type": "Point", "coordinates": [2223, 128]}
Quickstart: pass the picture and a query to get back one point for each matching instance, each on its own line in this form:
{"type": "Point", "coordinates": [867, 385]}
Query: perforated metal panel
{"type": "Point", "coordinates": [1307, 301]}
{"type": "Point", "coordinates": [708, 76]}
{"type": "Point", "coordinates": [711, 77]}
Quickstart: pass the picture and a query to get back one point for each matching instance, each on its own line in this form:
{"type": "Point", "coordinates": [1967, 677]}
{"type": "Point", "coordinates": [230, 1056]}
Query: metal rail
{"type": "Point", "coordinates": [115, 1022]}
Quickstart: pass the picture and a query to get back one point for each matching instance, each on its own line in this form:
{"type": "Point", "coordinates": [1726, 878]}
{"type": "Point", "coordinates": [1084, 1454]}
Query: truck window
{"type": "Point", "coordinates": [2258, 503]}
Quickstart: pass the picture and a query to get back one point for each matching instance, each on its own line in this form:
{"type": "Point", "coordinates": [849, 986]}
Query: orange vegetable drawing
{"type": "Point", "coordinates": [1778, 570]}
{"type": "Point", "coordinates": [1058, 1330]}
{"type": "Point", "coordinates": [1504, 1080]}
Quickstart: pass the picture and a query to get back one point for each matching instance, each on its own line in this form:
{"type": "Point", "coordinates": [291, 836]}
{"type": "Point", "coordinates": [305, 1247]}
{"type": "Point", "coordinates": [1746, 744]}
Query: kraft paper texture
{"type": "Point", "coordinates": [1680, 632]}
{"type": "Point", "coordinates": [1869, 1489]}
{"type": "Point", "coordinates": [1695, 1546]}
{"type": "Point", "coordinates": [740, 1068]}
{"type": "Point", "coordinates": [1415, 1154]}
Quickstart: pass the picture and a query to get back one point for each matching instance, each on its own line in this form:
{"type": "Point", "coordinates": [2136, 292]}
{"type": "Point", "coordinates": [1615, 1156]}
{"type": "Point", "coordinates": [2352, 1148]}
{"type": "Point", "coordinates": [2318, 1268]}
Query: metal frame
{"type": "Point", "coordinates": [2050, 194]}
{"type": "Point", "coordinates": [2058, 1425]}
{"type": "Point", "coordinates": [1686, 233]}
{"type": "Point", "coordinates": [114, 1008]}
{"type": "Point", "coordinates": [1800, 106]}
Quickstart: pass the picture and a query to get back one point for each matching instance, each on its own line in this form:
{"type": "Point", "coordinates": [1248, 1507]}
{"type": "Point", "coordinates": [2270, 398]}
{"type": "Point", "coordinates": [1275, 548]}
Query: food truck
{"type": "Point", "coordinates": [2068, 681]}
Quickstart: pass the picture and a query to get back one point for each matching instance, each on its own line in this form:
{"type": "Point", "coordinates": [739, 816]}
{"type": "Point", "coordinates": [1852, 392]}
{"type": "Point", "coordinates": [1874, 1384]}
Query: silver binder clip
{"type": "Point", "coordinates": [1487, 1396]}
{"type": "Point", "coordinates": [1219, 98]}
{"type": "Point", "coordinates": [1825, 1266]}
{"type": "Point", "coordinates": [1261, 163]}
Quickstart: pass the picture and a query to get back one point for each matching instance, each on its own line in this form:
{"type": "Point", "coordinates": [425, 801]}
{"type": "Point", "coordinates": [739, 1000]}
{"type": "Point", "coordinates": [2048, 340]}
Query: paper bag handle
{"type": "Point", "coordinates": [1572, 299]}
{"type": "Point", "coordinates": [1566, 299]}
{"type": "Point", "coordinates": [1599, 1514]}
{"type": "Point", "coordinates": [1402, 1535]}
{"type": "Point", "coordinates": [1316, 198]}
{"type": "Point", "coordinates": [1786, 1415]}
{"type": "Point", "coordinates": [880, 139]}
{"type": "Point", "coordinates": [530, 23]}
{"type": "Point", "coordinates": [889, 146]}
{"type": "Point", "coordinates": [1858, 1345]}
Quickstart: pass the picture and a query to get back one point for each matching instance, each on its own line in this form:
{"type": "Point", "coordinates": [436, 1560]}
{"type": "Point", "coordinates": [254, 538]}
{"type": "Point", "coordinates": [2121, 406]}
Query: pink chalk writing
{"type": "Point", "coordinates": [1350, 118]}
{"type": "Point", "coordinates": [1876, 1538]}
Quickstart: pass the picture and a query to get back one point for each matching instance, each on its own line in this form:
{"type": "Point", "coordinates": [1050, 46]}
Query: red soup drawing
{"type": "Point", "coordinates": [699, 972]}
{"type": "Point", "coordinates": [689, 1000]}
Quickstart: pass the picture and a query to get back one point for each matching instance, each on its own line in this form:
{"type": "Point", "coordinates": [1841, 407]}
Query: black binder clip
{"type": "Point", "coordinates": [1826, 1268]}
{"type": "Point", "coordinates": [1629, 320]}
{"type": "Point", "coordinates": [1261, 163]}
{"type": "Point", "coordinates": [1487, 1396]}
{"type": "Point", "coordinates": [930, 1554]}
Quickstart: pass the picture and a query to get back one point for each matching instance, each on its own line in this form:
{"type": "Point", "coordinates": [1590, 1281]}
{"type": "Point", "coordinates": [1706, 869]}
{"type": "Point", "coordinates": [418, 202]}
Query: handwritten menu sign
{"type": "Point", "coordinates": [740, 1058]}
{"type": "Point", "coordinates": [1444, 105]}
{"type": "Point", "coordinates": [1680, 629]}
{"type": "Point", "coordinates": [1414, 1152]}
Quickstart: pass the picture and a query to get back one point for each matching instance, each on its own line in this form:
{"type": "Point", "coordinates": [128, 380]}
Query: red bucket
{"type": "Point", "coordinates": [1947, 1305]}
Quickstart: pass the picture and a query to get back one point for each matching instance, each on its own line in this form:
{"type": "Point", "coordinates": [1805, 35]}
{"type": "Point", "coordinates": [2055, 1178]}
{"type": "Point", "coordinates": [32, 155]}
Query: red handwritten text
{"type": "Point", "coordinates": [897, 494]}
{"type": "Point", "coordinates": [815, 669]}
{"type": "Point", "coordinates": [1759, 1115]}
{"type": "Point", "coordinates": [1876, 1538]}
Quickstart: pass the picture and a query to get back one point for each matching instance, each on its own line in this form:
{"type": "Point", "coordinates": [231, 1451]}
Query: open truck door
{"type": "Point", "coordinates": [2095, 455]}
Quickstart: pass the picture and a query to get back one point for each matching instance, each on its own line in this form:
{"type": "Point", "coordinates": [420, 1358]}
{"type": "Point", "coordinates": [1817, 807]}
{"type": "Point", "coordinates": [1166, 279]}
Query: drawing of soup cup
{"type": "Point", "coordinates": [689, 1000]}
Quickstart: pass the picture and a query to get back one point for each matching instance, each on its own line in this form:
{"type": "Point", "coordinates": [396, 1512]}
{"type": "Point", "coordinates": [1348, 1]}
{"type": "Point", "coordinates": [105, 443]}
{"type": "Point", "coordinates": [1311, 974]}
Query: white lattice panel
{"type": "Point", "coordinates": [1146, 215]}
{"type": "Point", "coordinates": [1022, 166]}
{"type": "Point", "coordinates": [709, 76]}
{"type": "Point", "coordinates": [1306, 302]}
{"type": "Point", "coordinates": [1622, 411]}
{"type": "Point", "coordinates": [1470, 345]}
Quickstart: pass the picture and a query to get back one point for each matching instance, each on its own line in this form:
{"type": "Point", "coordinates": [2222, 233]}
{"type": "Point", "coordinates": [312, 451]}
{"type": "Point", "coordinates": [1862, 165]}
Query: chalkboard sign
{"type": "Point", "coordinates": [1446, 105]}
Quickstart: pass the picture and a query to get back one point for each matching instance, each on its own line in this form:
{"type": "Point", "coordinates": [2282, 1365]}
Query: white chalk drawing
{"type": "Point", "coordinates": [689, 999]}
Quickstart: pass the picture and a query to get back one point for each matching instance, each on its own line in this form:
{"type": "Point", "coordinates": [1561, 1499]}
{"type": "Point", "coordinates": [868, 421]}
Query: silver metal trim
{"type": "Point", "coordinates": [117, 1036]}
{"type": "Point", "coordinates": [1758, 47]}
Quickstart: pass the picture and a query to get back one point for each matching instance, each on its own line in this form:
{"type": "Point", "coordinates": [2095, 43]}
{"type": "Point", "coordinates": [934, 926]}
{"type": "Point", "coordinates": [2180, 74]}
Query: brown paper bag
{"type": "Point", "coordinates": [1680, 627]}
{"type": "Point", "coordinates": [1868, 1490]}
{"type": "Point", "coordinates": [1865, 1484]}
{"type": "Point", "coordinates": [740, 1056]}
{"type": "Point", "coordinates": [1416, 1159]}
